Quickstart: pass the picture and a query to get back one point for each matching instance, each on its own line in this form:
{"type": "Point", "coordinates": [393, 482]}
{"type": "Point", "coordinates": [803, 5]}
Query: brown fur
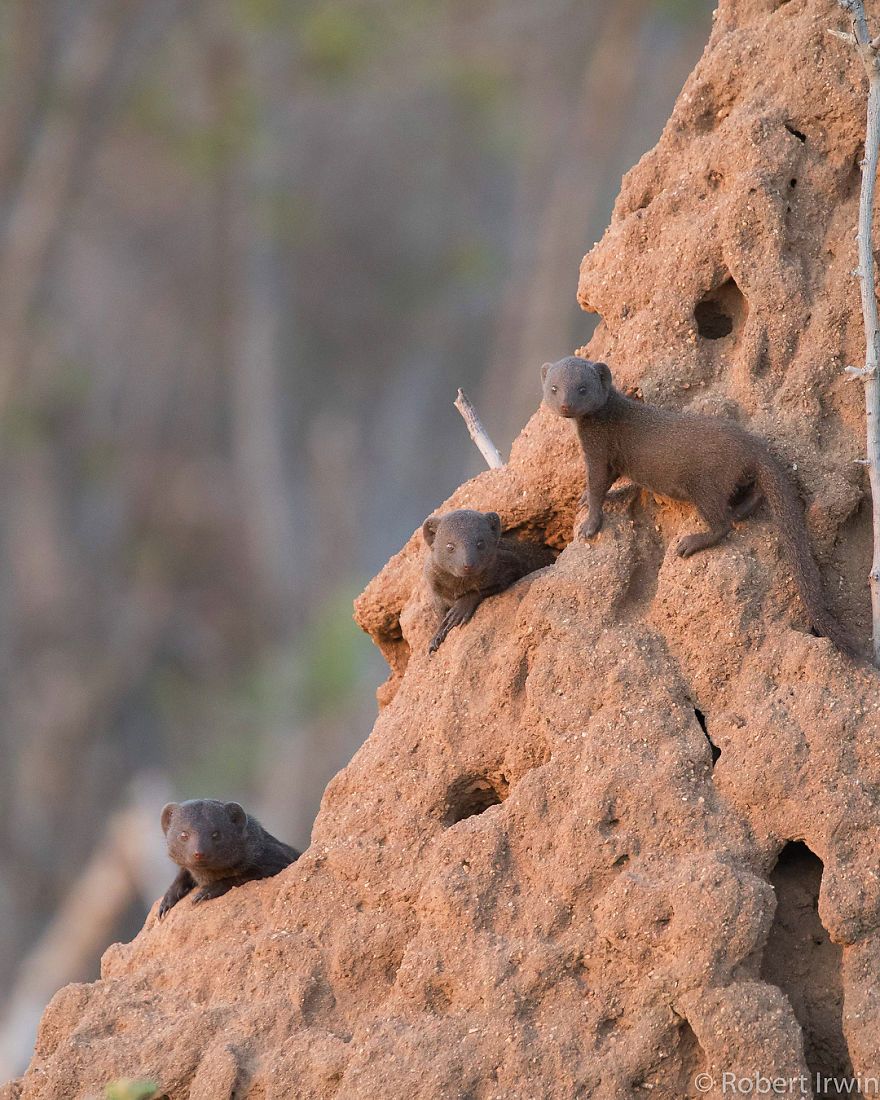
{"type": "Point", "coordinates": [217, 846]}
{"type": "Point", "coordinates": [714, 464]}
{"type": "Point", "coordinates": [469, 560]}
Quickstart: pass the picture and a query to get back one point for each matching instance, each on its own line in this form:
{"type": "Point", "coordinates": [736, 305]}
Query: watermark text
{"type": "Point", "coordinates": [759, 1084]}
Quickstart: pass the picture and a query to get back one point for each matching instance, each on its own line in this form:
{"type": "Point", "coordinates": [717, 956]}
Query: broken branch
{"type": "Point", "coordinates": [478, 433]}
{"type": "Point", "coordinates": [868, 51]}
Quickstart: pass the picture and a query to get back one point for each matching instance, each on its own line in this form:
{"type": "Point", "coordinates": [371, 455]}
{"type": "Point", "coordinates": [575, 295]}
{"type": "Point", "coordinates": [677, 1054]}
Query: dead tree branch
{"type": "Point", "coordinates": [868, 51]}
{"type": "Point", "coordinates": [127, 865]}
{"type": "Point", "coordinates": [478, 433]}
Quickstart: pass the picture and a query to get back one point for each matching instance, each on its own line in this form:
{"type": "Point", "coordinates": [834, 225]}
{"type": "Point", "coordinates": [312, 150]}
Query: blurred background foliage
{"type": "Point", "coordinates": [249, 249]}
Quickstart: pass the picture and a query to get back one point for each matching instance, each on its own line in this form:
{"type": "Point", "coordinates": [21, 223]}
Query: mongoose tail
{"type": "Point", "coordinates": [788, 511]}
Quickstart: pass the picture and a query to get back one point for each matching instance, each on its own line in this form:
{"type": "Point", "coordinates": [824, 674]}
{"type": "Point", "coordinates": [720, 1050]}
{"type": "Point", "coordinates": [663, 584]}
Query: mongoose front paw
{"type": "Point", "coordinates": [455, 616]}
{"type": "Point", "coordinates": [207, 893]}
{"type": "Point", "coordinates": [440, 637]}
{"type": "Point", "coordinates": [165, 905]}
{"type": "Point", "coordinates": [690, 544]}
{"type": "Point", "coordinates": [458, 616]}
{"type": "Point", "coordinates": [584, 499]}
{"type": "Point", "coordinates": [591, 526]}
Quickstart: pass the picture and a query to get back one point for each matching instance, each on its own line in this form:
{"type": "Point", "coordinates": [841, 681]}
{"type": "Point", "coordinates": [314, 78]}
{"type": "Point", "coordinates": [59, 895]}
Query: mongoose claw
{"type": "Point", "coordinates": [591, 527]}
{"type": "Point", "coordinates": [167, 904]}
{"type": "Point", "coordinates": [458, 616]}
{"type": "Point", "coordinates": [205, 894]}
{"type": "Point", "coordinates": [443, 629]}
{"type": "Point", "coordinates": [689, 545]}
{"type": "Point", "coordinates": [455, 616]}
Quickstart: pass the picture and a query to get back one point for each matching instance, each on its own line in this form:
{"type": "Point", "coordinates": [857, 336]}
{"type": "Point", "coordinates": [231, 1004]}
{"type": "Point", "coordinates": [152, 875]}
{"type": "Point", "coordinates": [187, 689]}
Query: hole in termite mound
{"type": "Point", "coordinates": [801, 960]}
{"type": "Point", "coordinates": [474, 794]}
{"type": "Point", "coordinates": [720, 311]}
{"type": "Point", "coordinates": [701, 719]}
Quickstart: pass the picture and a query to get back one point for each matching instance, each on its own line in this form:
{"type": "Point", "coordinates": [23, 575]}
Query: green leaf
{"type": "Point", "coordinates": [129, 1089]}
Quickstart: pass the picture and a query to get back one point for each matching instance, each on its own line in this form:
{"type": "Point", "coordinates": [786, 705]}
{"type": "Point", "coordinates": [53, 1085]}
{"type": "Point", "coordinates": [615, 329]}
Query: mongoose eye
{"type": "Point", "coordinates": [183, 836]}
{"type": "Point", "coordinates": [450, 546]}
{"type": "Point", "coordinates": [481, 545]}
{"type": "Point", "coordinates": [215, 836]}
{"type": "Point", "coordinates": [582, 390]}
{"type": "Point", "coordinates": [553, 389]}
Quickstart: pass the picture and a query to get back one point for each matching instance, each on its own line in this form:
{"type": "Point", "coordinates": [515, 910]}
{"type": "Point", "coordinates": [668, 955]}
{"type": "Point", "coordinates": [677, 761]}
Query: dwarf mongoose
{"type": "Point", "coordinates": [470, 559]}
{"type": "Point", "coordinates": [716, 465]}
{"type": "Point", "coordinates": [217, 846]}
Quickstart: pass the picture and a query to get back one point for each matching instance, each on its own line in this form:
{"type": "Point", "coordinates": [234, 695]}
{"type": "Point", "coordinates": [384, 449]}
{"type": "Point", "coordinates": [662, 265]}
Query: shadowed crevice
{"type": "Point", "coordinates": [802, 961]}
{"type": "Point", "coordinates": [721, 311]}
{"type": "Point", "coordinates": [474, 794]}
{"type": "Point", "coordinates": [713, 748]}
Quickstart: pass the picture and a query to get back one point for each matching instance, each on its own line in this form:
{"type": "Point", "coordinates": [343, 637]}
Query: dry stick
{"type": "Point", "coordinates": [869, 374]}
{"type": "Point", "coordinates": [478, 433]}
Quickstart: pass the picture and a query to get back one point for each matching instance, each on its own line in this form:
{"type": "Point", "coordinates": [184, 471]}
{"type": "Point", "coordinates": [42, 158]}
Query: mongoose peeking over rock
{"type": "Point", "coordinates": [469, 560]}
{"type": "Point", "coordinates": [217, 846]}
{"type": "Point", "coordinates": [716, 465]}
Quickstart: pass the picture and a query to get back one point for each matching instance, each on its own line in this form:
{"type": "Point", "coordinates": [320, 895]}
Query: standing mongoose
{"type": "Point", "coordinates": [469, 560]}
{"type": "Point", "coordinates": [716, 465]}
{"type": "Point", "coordinates": [217, 846]}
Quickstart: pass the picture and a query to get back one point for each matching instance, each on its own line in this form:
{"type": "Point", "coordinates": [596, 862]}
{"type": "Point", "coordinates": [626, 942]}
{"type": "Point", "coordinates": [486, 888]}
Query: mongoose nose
{"type": "Point", "coordinates": [565, 409]}
{"type": "Point", "coordinates": [467, 569]}
{"type": "Point", "coordinates": [198, 856]}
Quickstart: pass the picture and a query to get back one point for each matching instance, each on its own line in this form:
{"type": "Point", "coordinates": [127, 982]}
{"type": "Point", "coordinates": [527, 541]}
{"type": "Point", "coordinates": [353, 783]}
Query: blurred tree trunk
{"type": "Point", "coordinates": [247, 306]}
{"type": "Point", "coordinates": [42, 196]}
{"type": "Point", "coordinates": [28, 34]}
{"type": "Point", "coordinates": [555, 222]}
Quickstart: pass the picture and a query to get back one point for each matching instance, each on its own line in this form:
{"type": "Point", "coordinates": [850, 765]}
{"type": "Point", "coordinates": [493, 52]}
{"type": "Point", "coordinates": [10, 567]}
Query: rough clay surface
{"type": "Point", "coordinates": [531, 882]}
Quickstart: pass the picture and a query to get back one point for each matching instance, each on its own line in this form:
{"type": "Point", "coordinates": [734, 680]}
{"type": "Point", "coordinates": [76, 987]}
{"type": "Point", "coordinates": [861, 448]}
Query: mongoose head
{"type": "Point", "coordinates": [204, 833]}
{"type": "Point", "coordinates": [575, 387]}
{"type": "Point", "coordinates": [463, 543]}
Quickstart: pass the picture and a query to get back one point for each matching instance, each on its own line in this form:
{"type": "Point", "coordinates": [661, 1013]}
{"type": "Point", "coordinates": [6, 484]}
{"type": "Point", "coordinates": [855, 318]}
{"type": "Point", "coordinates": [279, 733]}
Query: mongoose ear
{"type": "Point", "coordinates": [494, 522]}
{"type": "Point", "coordinates": [429, 529]}
{"type": "Point", "coordinates": [545, 370]}
{"type": "Point", "coordinates": [167, 812]}
{"type": "Point", "coordinates": [604, 373]}
{"type": "Point", "coordinates": [236, 814]}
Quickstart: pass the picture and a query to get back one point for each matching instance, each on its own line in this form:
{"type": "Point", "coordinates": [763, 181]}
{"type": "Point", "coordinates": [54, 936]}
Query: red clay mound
{"type": "Point", "coordinates": [533, 880]}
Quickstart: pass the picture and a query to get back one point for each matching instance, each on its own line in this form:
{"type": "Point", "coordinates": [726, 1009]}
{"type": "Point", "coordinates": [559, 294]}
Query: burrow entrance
{"type": "Point", "coordinates": [803, 962]}
{"type": "Point", "coordinates": [474, 794]}
{"type": "Point", "coordinates": [721, 311]}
